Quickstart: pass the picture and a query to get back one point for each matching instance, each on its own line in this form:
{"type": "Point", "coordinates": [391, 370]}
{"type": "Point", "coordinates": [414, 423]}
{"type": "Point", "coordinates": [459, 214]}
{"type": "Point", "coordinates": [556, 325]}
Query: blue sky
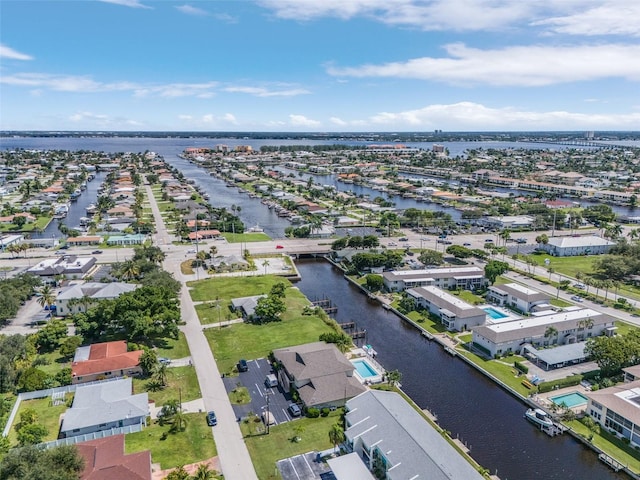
{"type": "Point", "coordinates": [320, 65]}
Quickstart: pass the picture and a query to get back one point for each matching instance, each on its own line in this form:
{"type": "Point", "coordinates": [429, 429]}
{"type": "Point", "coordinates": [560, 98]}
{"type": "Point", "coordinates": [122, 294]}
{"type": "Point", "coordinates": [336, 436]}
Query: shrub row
{"type": "Point", "coordinates": [560, 383]}
{"type": "Point", "coordinates": [521, 367]}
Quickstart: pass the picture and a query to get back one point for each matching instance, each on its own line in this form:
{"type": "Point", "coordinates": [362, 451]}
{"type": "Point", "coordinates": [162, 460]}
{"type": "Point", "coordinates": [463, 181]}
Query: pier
{"type": "Point", "coordinates": [325, 304]}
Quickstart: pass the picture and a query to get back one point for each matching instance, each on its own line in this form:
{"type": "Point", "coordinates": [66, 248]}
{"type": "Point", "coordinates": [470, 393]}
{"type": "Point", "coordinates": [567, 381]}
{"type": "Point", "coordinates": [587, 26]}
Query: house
{"type": "Point", "coordinates": [104, 458]}
{"type": "Point", "coordinates": [348, 467]}
{"type": "Point", "coordinates": [78, 298]}
{"type": "Point", "coordinates": [6, 240]}
{"type": "Point", "coordinates": [104, 360]}
{"type": "Point", "coordinates": [516, 296]}
{"type": "Point", "coordinates": [71, 266]}
{"type": "Point", "coordinates": [85, 240]}
{"type": "Point", "coordinates": [246, 305]}
{"type": "Point", "coordinates": [453, 312]}
{"type": "Point", "coordinates": [617, 409]}
{"type": "Point", "coordinates": [104, 406]}
{"type": "Point", "coordinates": [632, 373]}
{"type": "Point", "coordinates": [229, 263]}
{"type": "Point", "coordinates": [319, 372]}
{"type": "Point", "coordinates": [392, 438]}
{"type": "Point", "coordinates": [204, 234]}
{"type": "Point", "coordinates": [468, 278]}
{"type": "Point", "coordinates": [572, 246]}
{"type": "Point", "coordinates": [131, 239]}
{"type": "Point", "coordinates": [512, 222]}
{"type": "Point", "coordinates": [571, 325]}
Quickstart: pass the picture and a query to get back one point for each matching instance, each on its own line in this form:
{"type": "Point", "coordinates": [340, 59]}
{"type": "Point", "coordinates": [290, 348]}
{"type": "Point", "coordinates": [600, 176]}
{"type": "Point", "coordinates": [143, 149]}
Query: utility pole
{"type": "Point", "coordinates": [268, 414]}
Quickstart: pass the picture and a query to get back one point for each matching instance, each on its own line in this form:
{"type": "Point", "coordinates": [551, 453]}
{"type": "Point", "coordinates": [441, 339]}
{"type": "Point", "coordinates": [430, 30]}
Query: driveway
{"type": "Point", "coordinates": [253, 380]}
{"type": "Point", "coordinates": [304, 467]}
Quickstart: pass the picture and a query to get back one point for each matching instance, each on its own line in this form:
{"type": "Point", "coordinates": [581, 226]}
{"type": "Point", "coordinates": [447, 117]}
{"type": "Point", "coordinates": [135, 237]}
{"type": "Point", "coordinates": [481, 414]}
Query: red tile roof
{"type": "Point", "coordinates": [105, 459]}
{"type": "Point", "coordinates": [105, 357]}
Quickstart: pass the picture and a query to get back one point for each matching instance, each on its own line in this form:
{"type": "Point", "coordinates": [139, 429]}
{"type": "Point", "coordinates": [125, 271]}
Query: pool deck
{"type": "Point", "coordinates": [544, 399]}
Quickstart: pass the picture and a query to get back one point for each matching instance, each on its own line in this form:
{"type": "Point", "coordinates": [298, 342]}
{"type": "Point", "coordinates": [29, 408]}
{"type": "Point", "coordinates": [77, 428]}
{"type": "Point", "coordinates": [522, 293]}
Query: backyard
{"type": "Point", "coordinates": [170, 450]}
{"type": "Point", "coordinates": [181, 382]}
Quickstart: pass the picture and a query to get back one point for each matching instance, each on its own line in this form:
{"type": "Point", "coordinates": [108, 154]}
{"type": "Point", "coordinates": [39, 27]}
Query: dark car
{"type": "Point", "coordinates": [403, 239]}
{"type": "Point", "coordinates": [212, 421]}
{"type": "Point", "coordinates": [294, 410]}
{"type": "Point", "coordinates": [96, 252]}
{"type": "Point", "coordinates": [243, 366]}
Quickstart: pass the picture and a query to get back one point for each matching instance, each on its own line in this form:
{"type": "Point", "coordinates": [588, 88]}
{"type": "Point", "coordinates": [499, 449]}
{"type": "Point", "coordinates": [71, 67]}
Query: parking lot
{"type": "Point", "coordinates": [304, 467]}
{"type": "Point", "coordinates": [253, 379]}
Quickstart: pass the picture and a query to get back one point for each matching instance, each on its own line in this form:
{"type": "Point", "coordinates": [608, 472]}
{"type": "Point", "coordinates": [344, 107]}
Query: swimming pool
{"type": "Point", "coordinates": [364, 369]}
{"type": "Point", "coordinates": [493, 313]}
{"type": "Point", "coordinates": [572, 399]}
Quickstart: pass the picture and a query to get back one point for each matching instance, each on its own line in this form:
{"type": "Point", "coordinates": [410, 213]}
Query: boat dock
{"type": "Point", "coordinates": [553, 430]}
{"type": "Point", "coordinates": [612, 462]}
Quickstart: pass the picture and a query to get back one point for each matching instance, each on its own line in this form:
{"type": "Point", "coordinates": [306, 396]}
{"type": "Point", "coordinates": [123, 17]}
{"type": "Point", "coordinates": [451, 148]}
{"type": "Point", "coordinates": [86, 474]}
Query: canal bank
{"type": "Point", "coordinates": [488, 420]}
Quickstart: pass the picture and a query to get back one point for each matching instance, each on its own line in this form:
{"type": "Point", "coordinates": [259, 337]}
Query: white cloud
{"type": "Point", "coordinates": [263, 92]}
{"type": "Point", "coordinates": [8, 52]}
{"type": "Point", "coordinates": [174, 90]}
{"type": "Point", "coordinates": [302, 121]}
{"type": "Point", "coordinates": [516, 65]}
{"type": "Point", "coordinates": [88, 116]}
{"type": "Point", "coordinates": [474, 116]}
{"type": "Point", "coordinates": [207, 120]}
{"type": "Point", "coordinates": [230, 118]}
{"type": "Point", "coordinates": [423, 14]}
{"type": "Point", "coordinates": [338, 121]}
{"type": "Point", "coordinates": [189, 10]}
{"type": "Point", "coordinates": [127, 3]}
{"type": "Point", "coordinates": [612, 17]}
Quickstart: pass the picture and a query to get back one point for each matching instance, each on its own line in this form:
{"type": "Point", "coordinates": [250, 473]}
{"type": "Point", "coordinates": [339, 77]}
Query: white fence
{"type": "Point", "coordinates": [92, 436]}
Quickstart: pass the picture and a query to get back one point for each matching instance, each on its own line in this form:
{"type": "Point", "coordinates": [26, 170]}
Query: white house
{"type": "Point", "coordinates": [454, 313]}
{"type": "Point", "coordinates": [617, 409]}
{"type": "Point", "coordinates": [572, 246]}
{"type": "Point", "coordinates": [516, 296]}
{"type": "Point", "coordinates": [467, 277]}
{"type": "Point", "coordinates": [78, 298]}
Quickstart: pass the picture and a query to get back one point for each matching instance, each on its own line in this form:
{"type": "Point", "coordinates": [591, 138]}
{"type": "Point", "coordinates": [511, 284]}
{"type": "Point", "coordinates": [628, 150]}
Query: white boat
{"type": "Point", "coordinates": [539, 417]}
{"type": "Point", "coordinates": [256, 229]}
{"type": "Point", "coordinates": [91, 209]}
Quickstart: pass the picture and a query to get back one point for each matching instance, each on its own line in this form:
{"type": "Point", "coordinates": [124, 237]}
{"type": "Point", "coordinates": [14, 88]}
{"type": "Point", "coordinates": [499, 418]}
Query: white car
{"type": "Point", "coordinates": [192, 250]}
{"type": "Point", "coordinates": [392, 244]}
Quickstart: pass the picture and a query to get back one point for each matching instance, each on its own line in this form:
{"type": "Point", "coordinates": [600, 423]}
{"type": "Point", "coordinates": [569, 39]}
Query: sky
{"type": "Point", "coordinates": [320, 65]}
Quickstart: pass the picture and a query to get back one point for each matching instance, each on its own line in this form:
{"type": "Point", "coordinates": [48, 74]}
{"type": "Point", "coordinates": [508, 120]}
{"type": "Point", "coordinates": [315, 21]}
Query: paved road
{"type": "Point", "coordinates": [235, 461]}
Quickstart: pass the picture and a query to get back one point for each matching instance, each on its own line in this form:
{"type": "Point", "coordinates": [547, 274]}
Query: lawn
{"type": "Point", "coordinates": [48, 415]}
{"type": "Point", "coordinates": [246, 237]}
{"type": "Point", "coordinates": [425, 322]}
{"type": "Point", "coordinates": [227, 288]}
{"type": "Point", "coordinates": [502, 369]}
{"type": "Point", "coordinates": [239, 396]}
{"type": "Point", "coordinates": [174, 349]}
{"type": "Point", "coordinates": [266, 450]}
{"type": "Point", "coordinates": [244, 340]}
{"type": "Point", "coordinates": [469, 297]}
{"type": "Point", "coordinates": [195, 444]}
{"type": "Point", "coordinates": [51, 363]}
{"type": "Point", "coordinates": [181, 382]}
{"type": "Point", "coordinates": [566, 265]}
{"type": "Point", "coordinates": [624, 327]}
{"type": "Point", "coordinates": [610, 445]}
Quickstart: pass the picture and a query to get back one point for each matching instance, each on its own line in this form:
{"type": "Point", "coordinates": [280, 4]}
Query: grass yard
{"type": "Point", "coordinates": [239, 396]}
{"type": "Point", "coordinates": [181, 381]}
{"type": "Point", "coordinates": [558, 302]}
{"type": "Point", "coordinates": [469, 297]}
{"type": "Point", "coordinates": [186, 268]}
{"type": "Point", "coordinates": [227, 288]}
{"type": "Point", "coordinates": [266, 450]}
{"type": "Point", "coordinates": [48, 415]}
{"type": "Point", "coordinates": [502, 369]}
{"type": "Point", "coordinates": [54, 362]}
{"type": "Point", "coordinates": [624, 327]}
{"type": "Point", "coordinates": [195, 444]}
{"type": "Point", "coordinates": [610, 445]}
{"type": "Point", "coordinates": [174, 348]}
{"type": "Point", "coordinates": [245, 340]}
{"type": "Point", "coordinates": [427, 323]}
{"type": "Point", "coordinates": [566, 265]}
{"type": "Point", "coordinates": [245, 237]}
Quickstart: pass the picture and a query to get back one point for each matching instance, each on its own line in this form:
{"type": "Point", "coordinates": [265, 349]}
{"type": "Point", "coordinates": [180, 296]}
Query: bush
{"type": "Point", "coordinates": [313, 412]}
{"type": "Point", "coordinates": [560, 383]}
{"type": "Point", "coordinates": [519, 366]}
{"type": "Point", "coordinates": [325, 411]}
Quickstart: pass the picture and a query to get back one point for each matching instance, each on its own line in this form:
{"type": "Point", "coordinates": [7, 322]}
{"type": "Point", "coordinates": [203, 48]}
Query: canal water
{"type": "Point", "coordinates": [485, 417]}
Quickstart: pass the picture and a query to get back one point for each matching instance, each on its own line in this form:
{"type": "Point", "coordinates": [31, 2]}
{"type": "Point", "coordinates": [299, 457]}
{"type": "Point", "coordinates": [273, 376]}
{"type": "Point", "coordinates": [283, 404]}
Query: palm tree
{"type": "Point", "coordinates": [551, 332]}
{"type": "Point", "coordinates": [179, 421]}
{"type": "Point", "coordinates": [336, 435]}
{"type": "Point", "coordinates": [203, 472]}
{"type": "Point", "coordinates": [47, 297]}
{"type": "Point", "coordinates": [505, 235]}
{"type": "Point", "coordinates": [393, 377]}
{"type": "Point", "coordinates": [265, 264]}
{"type": "Point", "coordinates": [160, 374]}
{"type": "Point", "coordinates": [130, 270]}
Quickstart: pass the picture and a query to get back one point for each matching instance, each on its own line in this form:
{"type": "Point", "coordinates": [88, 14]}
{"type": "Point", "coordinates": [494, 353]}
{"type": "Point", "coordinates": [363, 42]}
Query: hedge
{"type": "Point", "coordinates": [521, 367]}
{"type": "Point", "coordinates": [560, 383]}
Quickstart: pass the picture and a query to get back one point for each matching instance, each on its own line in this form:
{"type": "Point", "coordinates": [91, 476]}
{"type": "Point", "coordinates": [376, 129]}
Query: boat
{"type": "Point", "coordinates": [539, 417]}
{"type": "Point", "coordinates": [91, 209]}
{"type": "Point", "coordinates": [256, 229]}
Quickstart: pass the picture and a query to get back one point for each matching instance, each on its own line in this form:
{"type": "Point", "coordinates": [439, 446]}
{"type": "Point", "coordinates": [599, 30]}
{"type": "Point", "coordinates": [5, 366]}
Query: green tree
{"type": "Point", "coordinates": [178, 473]}
{"type": "Point", "coordinates": [459, 251]}
{"type": "Point", "coordinates": [374, 282]}
{"type": "Point", "coordinates": [269, 309]}
{"type": "Point", "coordinates": [32, 379]}
{"type": "Point", "coordinates": [494, 268]}
{"type": "Point", "coordinates": [32, 462]}
{"type": "Point", "coordinates": [336, 435]}
{"type": "Point", "coordinates": [31, 434]}
{"type": "Point", "coordinates": [431, 257]}
{"type": "Point", "coordinates": [47, 297]}
{"type": "Point", "coordinates": [48, 337]}
{"type": "Point", "coordinates": [203, 472]}
{"type": "Point", "coordinates": [393, 377]}
{"type": "Point", "coordinates": [69, 346]}
{"type": "Point", "coordinates": [148, 362]}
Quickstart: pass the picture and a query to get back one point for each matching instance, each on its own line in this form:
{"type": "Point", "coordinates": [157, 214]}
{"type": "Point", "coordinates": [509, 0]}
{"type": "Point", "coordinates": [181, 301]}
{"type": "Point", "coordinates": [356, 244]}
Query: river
{"type": "Point", "coordinates": [485, 417]}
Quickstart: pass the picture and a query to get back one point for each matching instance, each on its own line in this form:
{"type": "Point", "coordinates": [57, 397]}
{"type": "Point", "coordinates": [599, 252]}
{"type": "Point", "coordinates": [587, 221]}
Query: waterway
{"type": "Point", "coordinates": [485, 417]}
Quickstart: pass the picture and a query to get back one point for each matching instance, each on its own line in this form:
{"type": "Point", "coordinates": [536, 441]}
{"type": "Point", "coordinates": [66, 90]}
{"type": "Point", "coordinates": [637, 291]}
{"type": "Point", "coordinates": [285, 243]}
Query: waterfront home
{"type": "Point", "coordinates": [246, 306]}
{"type": "Point", "coordinates": [105, 458]}
{"type": "Point", "coordinates": [104, 406]}
{"type": "Point", "coordinates": [392, 438]}
{"type": "Point", "coordinates": [573, 246]}
{"type": "Point", "coordinates": [78, 298]}
{"type": "Point", "coordinates": [319, 372]}
{"type": "Point", "coordinates": [518, 297]}
{"type": "Point", "coordinates": [466, 277]}
{"type": "Point", "coordinates": [453, 312]}
{"type": "Point", "coordinates": [99, 361]}
{"type": "Point", "coordinates": [571, 325]}
{"type": "Point", "coordinates": [617, 409]}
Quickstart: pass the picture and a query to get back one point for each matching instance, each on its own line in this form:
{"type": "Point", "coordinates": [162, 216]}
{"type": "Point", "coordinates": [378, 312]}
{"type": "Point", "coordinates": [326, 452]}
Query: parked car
{"type": "Point", "coordinates": [279, 247]}
{"type": "Point", "coordinates": [96, 252]}
{"type": "Point", "coordinates": [191, 250]}
{"type": "Point", "coordinates": [488, 240]}
{"type": "Point", "coordinates": [243, 366]}
{"type": "Point", "coordinates": [212, 421]}
{"type": "Point", "coordinates": [466, 244]}
{"type": "Point", "coordinates": [393, 244]}
{"type": "Point", "coordinates": [576, 298]}
{"type": "Point", "coordinates": [579, 285]}
{"type": "Point", "coordinates": [403, 239]}
{"type": "Point", "coordinates": [294, 410]}
{"type": "Point", "coordinates": [521, 240]}
{"type": "Point", "coordinates": [164, 360]}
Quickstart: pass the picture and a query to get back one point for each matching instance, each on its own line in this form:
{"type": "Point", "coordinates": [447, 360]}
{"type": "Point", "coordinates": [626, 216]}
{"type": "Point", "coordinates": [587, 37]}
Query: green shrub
{"type": "Point", "coordinates": [560, 383]}
{"type": "Point", "coordinates": [313, 412]}
{"type": "Point", "coordinates": [519, 366]}
{"type": "Point", "coordinates": [325, 411]}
